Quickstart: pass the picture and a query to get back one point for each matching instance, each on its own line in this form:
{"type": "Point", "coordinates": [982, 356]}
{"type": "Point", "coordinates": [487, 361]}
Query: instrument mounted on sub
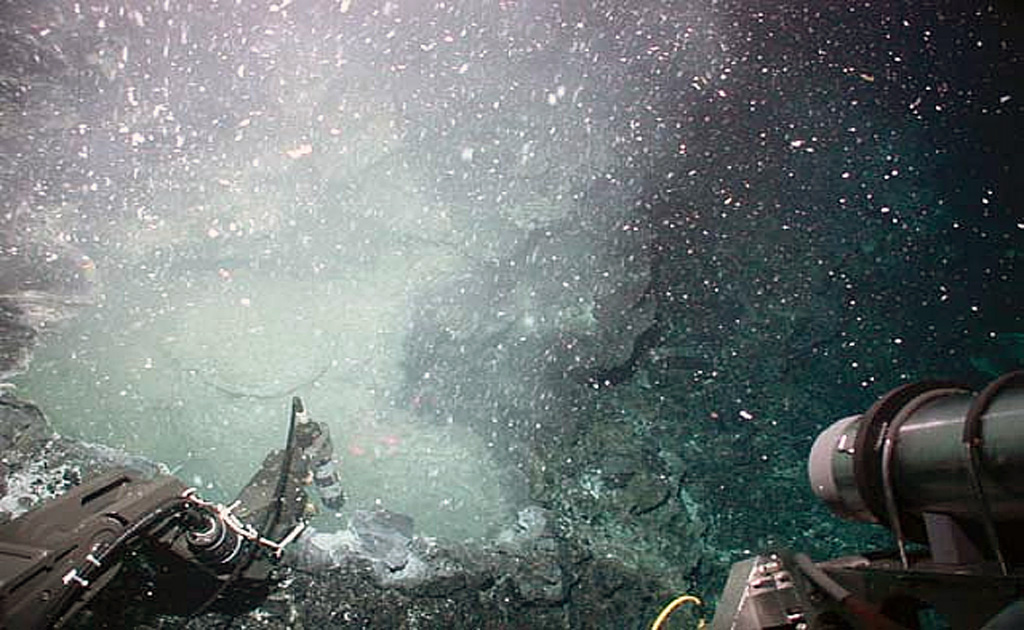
{"type": "Point", "coordinates": [190, 553]}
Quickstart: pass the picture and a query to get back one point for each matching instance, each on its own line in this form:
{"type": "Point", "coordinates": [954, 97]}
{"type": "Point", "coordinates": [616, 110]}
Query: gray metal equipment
{"type": "Point", "coordinates": [59, 562]}
{"type": "Point", "coordinates": [942, 468]}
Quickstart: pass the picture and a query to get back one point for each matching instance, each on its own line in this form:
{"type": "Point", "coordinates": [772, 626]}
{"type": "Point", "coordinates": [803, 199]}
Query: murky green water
{"type": "Point", "coordinates": [197, 373]}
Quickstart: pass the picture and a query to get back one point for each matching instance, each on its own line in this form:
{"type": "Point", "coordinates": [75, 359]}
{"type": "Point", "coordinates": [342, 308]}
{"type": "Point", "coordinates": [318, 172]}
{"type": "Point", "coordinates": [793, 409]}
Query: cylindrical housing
{"type": "Point", "coordinates": [215, 543]}
{"type": "Point", "coordinates": [929, 471]}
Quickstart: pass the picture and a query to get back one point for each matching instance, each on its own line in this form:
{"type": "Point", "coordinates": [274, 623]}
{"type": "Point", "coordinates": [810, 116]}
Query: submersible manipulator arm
{"type": "Point", "coordinates": [55, 560]}
{"type": "Point", "coordinates": [943, 469]}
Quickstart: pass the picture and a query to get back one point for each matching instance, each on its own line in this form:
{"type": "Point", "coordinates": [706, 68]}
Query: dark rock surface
{"type": "Point", "coordinates": [37, 465]}
{"type": "Point", "coordinates": [40, 284]}
{"type": "Point", "coordinates": [557, 584]}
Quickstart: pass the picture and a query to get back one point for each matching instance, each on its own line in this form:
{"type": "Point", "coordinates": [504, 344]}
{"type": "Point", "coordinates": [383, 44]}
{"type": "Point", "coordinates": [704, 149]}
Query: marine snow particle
{"type": "Point", "coordinates": [300, 151]}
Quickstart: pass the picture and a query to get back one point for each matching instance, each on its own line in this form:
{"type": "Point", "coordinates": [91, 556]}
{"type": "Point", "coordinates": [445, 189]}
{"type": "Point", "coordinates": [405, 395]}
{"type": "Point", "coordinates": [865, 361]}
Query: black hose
{"type": "Point", "coordinates": [273, 516]}
{"type": "Point", "coordinates": [165, 509]}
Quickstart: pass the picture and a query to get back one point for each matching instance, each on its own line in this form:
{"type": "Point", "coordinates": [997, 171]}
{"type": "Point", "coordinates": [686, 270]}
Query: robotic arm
{"type": "Point", "coordinates": [56, 559]}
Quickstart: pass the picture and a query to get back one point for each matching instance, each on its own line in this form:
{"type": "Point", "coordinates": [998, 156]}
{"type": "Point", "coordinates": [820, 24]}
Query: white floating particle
{"type": "Point", "coordinates": [746, 415]}
{"type": "Point", "coordinates": [299, 151]}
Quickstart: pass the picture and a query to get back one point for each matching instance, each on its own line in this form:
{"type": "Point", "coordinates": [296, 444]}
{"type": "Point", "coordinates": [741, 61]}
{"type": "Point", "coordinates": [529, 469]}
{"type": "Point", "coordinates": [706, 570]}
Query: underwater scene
{"type": "Point", "coordinates": [509, 313]}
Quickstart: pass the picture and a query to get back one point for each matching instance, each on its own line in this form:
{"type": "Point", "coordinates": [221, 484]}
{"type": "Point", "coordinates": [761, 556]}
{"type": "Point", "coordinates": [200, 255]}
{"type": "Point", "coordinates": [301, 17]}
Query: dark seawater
{"type": "Point", "coordinates": [879, 232]}
{"type": "Point", "coordinates": [624, 260]}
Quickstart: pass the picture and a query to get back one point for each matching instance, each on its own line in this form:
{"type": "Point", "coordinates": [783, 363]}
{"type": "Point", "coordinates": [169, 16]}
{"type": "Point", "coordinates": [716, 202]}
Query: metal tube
{"type": "Point", "coordinates": [930, 471]}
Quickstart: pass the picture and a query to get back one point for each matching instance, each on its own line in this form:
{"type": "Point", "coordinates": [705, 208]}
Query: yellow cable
{"type": "Point", "coordinates": [676, 603]}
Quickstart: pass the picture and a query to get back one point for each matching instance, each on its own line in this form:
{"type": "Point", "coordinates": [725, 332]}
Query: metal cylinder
{"type": "Point", "coordinates": [214, 543]}
{"type": "Point", "coordinates": [930, 467]}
